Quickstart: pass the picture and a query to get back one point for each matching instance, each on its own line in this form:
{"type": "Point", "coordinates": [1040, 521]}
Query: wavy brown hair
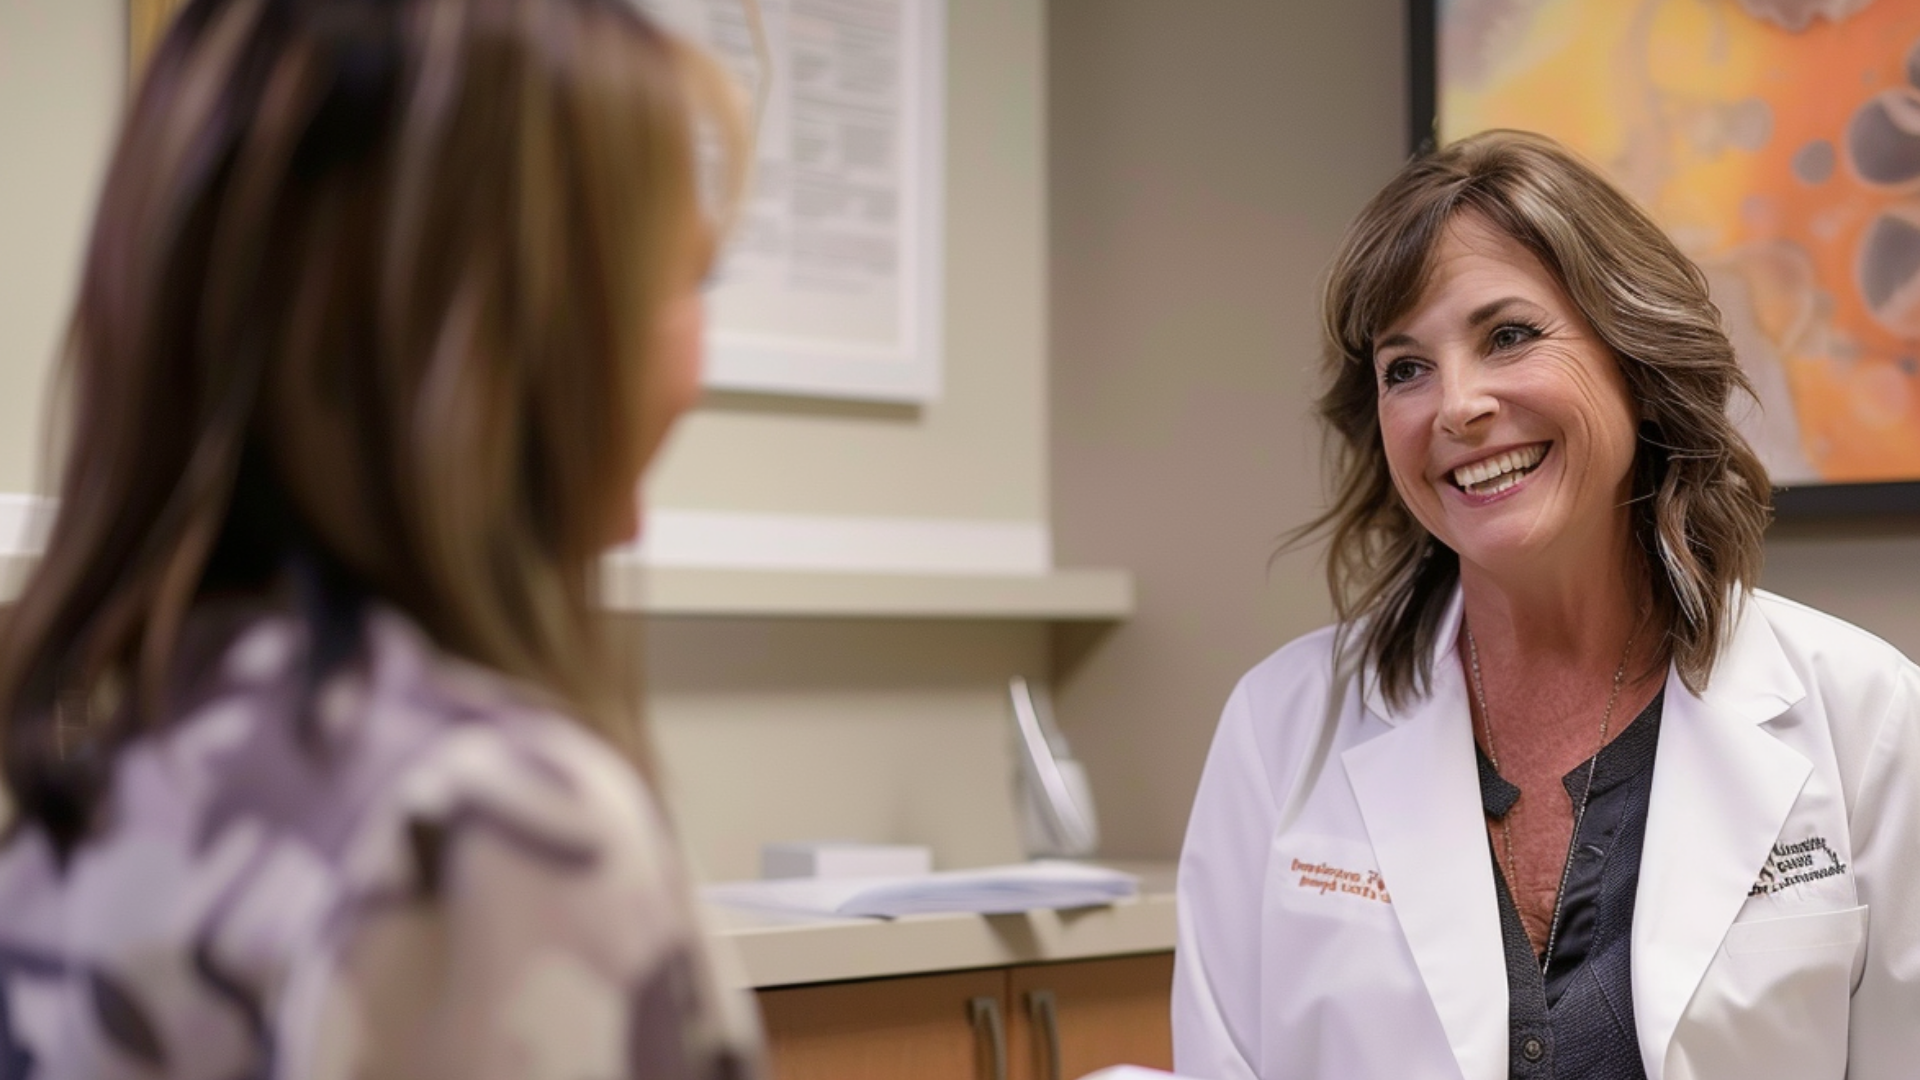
{"type": "Point", "coordinates": [1700, 496]}
{"type": "Point", "coordinates": [369, 306]}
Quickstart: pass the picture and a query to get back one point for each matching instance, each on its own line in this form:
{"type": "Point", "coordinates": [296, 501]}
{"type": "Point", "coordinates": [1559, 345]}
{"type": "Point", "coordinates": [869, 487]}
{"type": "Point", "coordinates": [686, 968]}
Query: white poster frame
{"type": "Point", "coordinates": [908, 369]}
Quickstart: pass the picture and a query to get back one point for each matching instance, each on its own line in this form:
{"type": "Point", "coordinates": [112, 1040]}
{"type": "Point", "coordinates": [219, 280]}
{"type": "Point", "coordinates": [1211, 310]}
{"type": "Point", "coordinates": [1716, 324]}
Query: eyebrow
{"type": "Point", "coordinates": [1476, 318]}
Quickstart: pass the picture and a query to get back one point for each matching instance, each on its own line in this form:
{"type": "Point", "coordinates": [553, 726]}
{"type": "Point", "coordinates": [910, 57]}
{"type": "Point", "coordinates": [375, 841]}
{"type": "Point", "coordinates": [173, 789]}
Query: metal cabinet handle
{"type": "Point", "coordinates": [985, 1014]}
{"type": "Point", "coordinates": [1044, 1013]}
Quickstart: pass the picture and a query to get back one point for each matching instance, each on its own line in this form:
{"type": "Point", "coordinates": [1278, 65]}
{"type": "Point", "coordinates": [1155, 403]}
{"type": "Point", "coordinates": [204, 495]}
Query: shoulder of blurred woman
{"type": "Point", "coordinates": [501, 748]}
{"type": "Point", "coordinates": [394, 759]}
{"type": "Point", "coordinates": [293, 838]}
{"type": "Point", "coordinates": [554, 890]}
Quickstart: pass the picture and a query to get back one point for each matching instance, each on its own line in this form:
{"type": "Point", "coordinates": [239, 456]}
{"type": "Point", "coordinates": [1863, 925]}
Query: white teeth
{"type": "Point", "coordinates": [1489, 476]}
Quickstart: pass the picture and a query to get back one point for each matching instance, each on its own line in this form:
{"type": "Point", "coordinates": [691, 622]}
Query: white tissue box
{"type": "Point", "coordinates": [843, 859]}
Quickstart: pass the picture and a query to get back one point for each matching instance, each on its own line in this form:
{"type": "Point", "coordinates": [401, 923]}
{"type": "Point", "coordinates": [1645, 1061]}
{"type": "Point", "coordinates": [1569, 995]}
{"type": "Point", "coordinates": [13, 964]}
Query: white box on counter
{"type": "Point", "coordinates": [843, 859]}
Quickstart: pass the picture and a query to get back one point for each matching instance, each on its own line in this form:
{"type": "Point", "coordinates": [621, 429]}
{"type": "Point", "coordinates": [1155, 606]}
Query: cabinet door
{"type": "Point", "coordinates": [885, 1029]}
{"type": "Point", "coordinates": [1104, 1012]}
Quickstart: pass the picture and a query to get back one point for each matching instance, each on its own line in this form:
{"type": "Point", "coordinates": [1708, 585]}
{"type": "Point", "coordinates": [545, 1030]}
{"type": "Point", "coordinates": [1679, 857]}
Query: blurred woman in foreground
{"type": "Point", "coordinates": [320, 763]}
{"type": "Point", "coordinates": [1562, 795]}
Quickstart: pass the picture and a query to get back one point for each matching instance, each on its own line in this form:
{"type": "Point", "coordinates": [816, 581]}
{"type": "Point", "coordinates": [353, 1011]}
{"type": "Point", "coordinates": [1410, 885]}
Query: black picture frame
{"type": "Point", "coordinates": [1799, 501]}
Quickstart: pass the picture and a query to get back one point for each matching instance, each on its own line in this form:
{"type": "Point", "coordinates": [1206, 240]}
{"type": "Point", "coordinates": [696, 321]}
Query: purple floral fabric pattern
{"type": "Point", "coordinates": [435, 876]}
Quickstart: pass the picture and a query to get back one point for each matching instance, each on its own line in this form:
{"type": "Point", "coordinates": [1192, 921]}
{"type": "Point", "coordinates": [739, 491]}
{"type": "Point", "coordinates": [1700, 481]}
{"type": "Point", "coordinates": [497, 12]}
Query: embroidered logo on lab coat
{"type": "Point", "coordinates": [1797, 863]}
{"type": "Point", "coordinates": [1324, 878]}
{"type": "Point", "coordinates": [1330, 876]}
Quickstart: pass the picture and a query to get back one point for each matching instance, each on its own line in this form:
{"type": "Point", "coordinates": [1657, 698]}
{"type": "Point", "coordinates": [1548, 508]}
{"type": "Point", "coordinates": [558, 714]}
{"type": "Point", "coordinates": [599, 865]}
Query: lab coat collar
{"type": "Point", "coordinates": [1722, 788]}
{"type": "Point", "coordinates": [1753, 680]}
{"type": "Point", "coordinates": [1418, 789]}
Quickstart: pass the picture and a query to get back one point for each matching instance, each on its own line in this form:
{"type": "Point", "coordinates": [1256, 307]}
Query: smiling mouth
{"type": "Point", "coordinates": [1491, 476]}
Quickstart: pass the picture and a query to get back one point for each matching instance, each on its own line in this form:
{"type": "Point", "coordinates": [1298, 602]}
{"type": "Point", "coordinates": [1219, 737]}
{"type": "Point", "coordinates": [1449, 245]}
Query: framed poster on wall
{"type": "Point", "coordinates": [831, 285]}
{"type": "Point", "coordinates": [1778, 142]}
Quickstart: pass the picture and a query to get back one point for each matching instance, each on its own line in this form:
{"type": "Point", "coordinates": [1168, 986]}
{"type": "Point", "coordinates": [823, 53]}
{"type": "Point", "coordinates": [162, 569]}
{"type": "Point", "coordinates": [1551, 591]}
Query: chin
{"type": "Point", "coordinates": [1506, 548]}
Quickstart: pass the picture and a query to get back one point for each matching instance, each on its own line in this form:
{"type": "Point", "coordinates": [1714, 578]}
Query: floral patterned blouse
{"type": "Point", "coordinates": [437, 877]}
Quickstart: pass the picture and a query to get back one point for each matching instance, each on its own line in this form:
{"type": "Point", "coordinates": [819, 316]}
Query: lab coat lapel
{"type": "Point", "coordinates": [1418, 788]}
{"type": "Point", "coordinates": [1722, 789]}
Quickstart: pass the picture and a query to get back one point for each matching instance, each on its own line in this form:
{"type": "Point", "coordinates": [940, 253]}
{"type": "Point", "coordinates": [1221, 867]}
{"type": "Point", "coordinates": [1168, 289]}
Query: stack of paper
{"type": "Point", "coordinates": [996, 890]}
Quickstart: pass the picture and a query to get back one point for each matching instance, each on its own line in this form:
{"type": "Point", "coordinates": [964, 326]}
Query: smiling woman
{"type": "Point", "coordinates": [1541, 229]}
{"type": "Point", "coordinates": [1507, 425]}
{"type": "Point", "coordinates": [1582, 753]}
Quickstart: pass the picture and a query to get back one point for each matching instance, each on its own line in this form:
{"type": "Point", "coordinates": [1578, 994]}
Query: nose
{"type": "Point", "coordinates": [1465, 398]}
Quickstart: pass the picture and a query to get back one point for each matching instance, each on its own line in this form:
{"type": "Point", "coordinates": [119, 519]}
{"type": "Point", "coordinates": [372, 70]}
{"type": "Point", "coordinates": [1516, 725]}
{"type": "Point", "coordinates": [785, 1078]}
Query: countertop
{"type": "Point", "coordinates": [782, 950]}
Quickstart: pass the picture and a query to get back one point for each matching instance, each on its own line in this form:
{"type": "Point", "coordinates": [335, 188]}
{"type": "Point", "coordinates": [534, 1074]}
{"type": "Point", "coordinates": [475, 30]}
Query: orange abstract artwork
{"type": "Point", "coordinates": [1779, 143]}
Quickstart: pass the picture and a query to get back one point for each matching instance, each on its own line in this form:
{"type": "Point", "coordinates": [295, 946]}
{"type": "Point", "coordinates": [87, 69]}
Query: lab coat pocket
{"type": "Point", "coordinates": [1814, 930]}
{"type": "Point", "coordinates": [1774, 1001]}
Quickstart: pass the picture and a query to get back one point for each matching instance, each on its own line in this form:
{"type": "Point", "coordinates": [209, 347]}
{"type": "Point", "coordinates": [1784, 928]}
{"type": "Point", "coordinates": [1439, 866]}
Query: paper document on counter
{"type": "Point", "coordinates": [994, 890]}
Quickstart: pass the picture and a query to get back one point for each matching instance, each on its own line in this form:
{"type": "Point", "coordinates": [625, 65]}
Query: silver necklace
{"type": "Point", "coordinates": [1579, 811]}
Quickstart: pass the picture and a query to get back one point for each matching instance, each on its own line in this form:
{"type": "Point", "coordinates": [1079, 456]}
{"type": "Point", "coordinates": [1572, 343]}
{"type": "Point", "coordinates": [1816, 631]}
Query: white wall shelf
{"type": "Point", "coordinates": [1076, 595]}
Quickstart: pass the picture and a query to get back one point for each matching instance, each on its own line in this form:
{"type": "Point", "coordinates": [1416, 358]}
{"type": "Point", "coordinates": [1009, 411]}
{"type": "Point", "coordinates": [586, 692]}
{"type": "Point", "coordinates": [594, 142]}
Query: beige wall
{"type": "Point", "coordinates": [61, 82]}
{"type": "Point", "coordinates": [1203, 159]}
{"type": "Point", "coordinates": [891, 731]}
{"type": "Point", "coordinates": [1867, 572]}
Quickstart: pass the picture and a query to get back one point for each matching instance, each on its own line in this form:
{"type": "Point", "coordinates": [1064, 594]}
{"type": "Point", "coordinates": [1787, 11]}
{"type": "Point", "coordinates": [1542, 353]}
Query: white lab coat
{"type": "Point", "coordinates": [1336, 896]}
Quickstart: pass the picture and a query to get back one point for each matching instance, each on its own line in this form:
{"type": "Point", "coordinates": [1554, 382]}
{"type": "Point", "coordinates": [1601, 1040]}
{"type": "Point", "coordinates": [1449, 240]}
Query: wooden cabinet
{"type": "Point", "coordinates": [1031, 1022]}
{"type": "Point", "coordinates": [878, 1029]}
{"type": "Point", "coordinates": [1106, 1012]}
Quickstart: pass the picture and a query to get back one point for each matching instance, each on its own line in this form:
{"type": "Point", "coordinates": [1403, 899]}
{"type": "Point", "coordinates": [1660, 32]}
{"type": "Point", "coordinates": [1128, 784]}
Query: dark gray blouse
{"type": "Point", "coordinates": [1577, 1021]}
